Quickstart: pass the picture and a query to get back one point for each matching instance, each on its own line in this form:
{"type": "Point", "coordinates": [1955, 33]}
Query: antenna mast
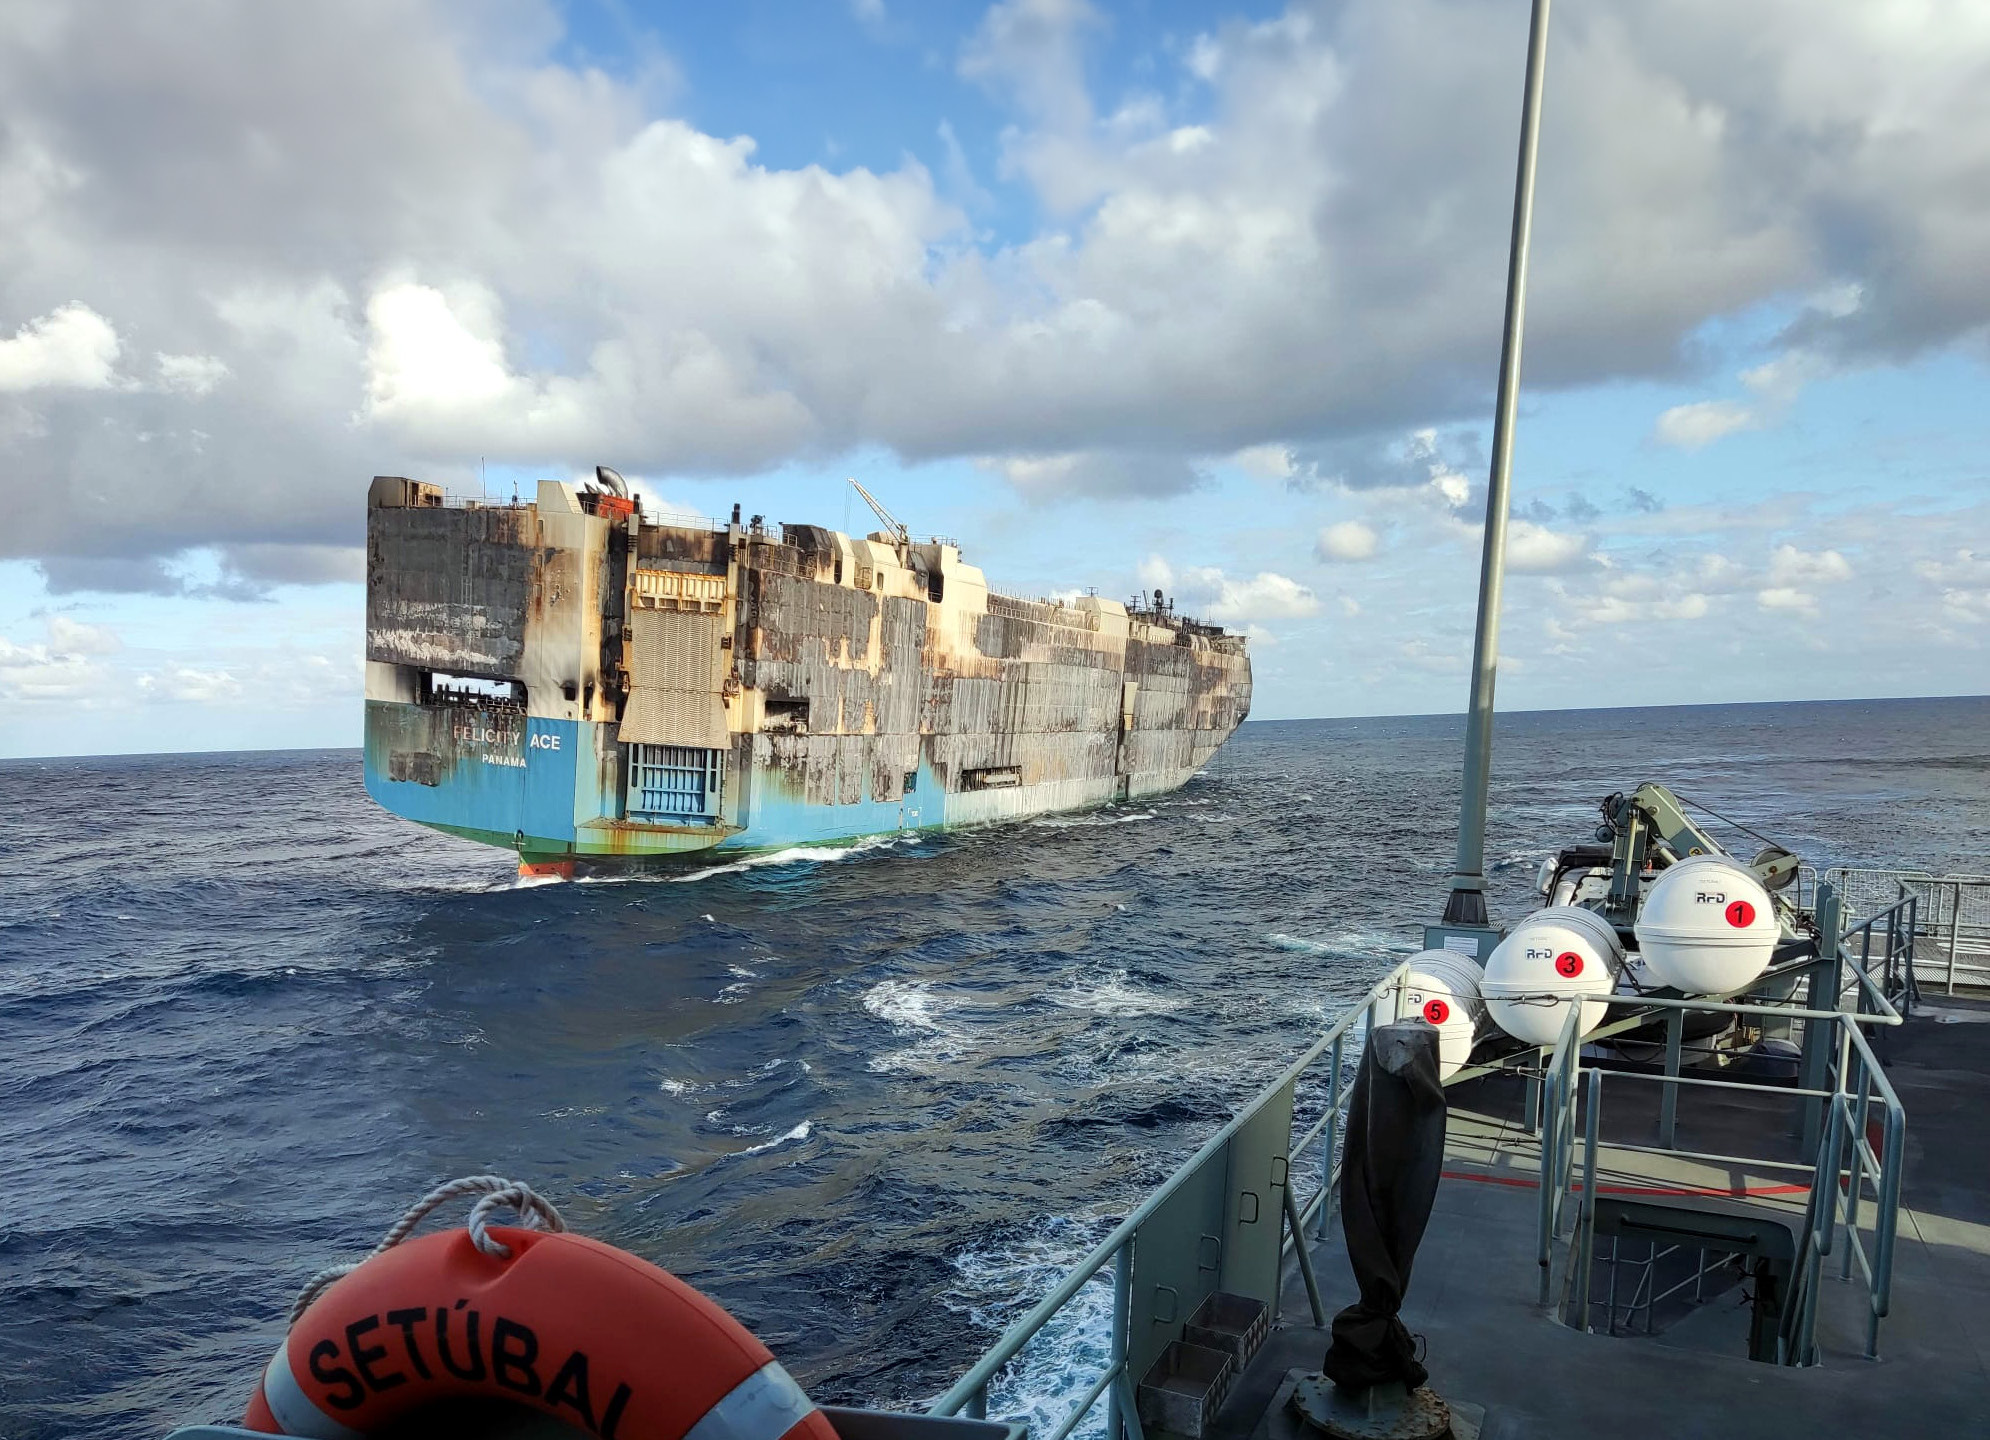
{"type": "Point", "coordinates": [1466, 907]}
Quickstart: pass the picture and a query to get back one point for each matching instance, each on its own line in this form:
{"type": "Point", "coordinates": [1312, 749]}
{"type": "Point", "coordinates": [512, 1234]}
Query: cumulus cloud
{"type": "Point", "coordinates": [1265, 596]}
{"type": "Point", "coordinates": [1536, 550]}
{"type": "Point", "coordinates": [1679, 585]}
{"type": "Point", "coordinates": [67, 667]}
{"type": "Point", "coordinates": [1632, 599]}
{"type": "Point", "coordinates": [70, 348]}
{"type": "Point", "coordinates": [68, 636]}
{"type": "Point", "coordinates": [1423, 463]}
{"type": "Point", "coordinates": [384, 236]}
{"type": "Point", "coordinates": [436, 357]}
{"type": "Point", "coordinates": [1704, 421]}
{"type": "Point", "coordinates": [1266, 462]}
{"type": "Point", "coordinates": [1347, 540]}
{"type": "Point", "coordinates": [194, 375]}
{"type": "Point", "coordinates": [1787, 597]}
{"type": "Point", "coordinates": [1227, 599]}
{"type": "Point", "coordinates": [1794, 576]}
{"type": "Point", "coordinates": [1791, 566]}
{"type": "Point", "coordinates": [189, 684]}
{"type": "Point", "coordinates": [1774, 384]}
{"type": "Point", "coordinates": [1962, 580]}
{"type": "Point", "coordinates": [1098, 474]}
{"type": "Point", "coordinates": [1420, 654]}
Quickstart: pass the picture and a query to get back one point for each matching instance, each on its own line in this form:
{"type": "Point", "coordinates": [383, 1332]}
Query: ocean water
{"type": "Point", "coordinates": [873, 1098]}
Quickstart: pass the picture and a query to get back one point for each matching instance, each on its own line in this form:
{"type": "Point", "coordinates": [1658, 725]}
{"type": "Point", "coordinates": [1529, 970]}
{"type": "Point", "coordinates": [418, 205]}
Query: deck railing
{"type": "Point", "coordinates": [1951, 930]}
{"type": "Point", "coordinates": [1558, 1112]}
{"type": "Point", "coordinates": [1191, 1222]}
{"type": "Point", "coordinates": [1194, 1215]}
{"type": "Point", "coordinates": [1838, 1086]}
{"type": "Point", "coordinates": [1848, 1158]}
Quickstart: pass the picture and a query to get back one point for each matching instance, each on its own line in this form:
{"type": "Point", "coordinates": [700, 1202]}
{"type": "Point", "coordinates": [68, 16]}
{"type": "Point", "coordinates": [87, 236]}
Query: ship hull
{"type": "Point", "coordinates": [486, 799]}
{"type": "Point", "coordinates": [587, 690]}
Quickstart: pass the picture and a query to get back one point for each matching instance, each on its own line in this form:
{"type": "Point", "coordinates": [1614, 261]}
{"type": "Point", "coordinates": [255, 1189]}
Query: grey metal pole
{"type": "Point", "coordinates": [1467, 905]}
{"type": "Point", "coordinates": [1122, 1303]}
{"type": "Point", "coordinates": [1826, 981]}
{"type": "Point", "coordinates": [1668, 1103]}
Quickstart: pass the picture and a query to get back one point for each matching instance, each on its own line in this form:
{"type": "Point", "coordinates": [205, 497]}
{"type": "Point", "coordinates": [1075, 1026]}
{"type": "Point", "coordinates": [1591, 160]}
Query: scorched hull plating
{"type": "Point", "coordinates": [572, 682]}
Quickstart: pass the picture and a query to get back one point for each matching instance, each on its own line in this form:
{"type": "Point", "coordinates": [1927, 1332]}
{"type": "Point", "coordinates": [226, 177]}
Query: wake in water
{"type": "Point", "coordinates": [802, 855]}
{"type": "Point", "coordinates": [1348, 945]}
{"type": "Point", "coordinates": [995, 1286]}
{"type": "Point", "coordinates": [1116, 996]}
{"type": "Point", "coordinates": [1093, 819]}
{"type": "Point", "coordinates": [912, 1008]}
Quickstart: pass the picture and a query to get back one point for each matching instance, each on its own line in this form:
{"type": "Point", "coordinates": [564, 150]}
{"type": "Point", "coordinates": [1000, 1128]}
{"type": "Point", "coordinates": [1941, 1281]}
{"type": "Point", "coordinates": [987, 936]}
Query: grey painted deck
{"type": "Point", "coordinates": [1475, 1290]}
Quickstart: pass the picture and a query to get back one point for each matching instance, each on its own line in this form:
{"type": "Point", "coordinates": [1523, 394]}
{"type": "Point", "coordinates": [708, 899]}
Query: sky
{"type": "Point", "coordinates": [1123, 296]}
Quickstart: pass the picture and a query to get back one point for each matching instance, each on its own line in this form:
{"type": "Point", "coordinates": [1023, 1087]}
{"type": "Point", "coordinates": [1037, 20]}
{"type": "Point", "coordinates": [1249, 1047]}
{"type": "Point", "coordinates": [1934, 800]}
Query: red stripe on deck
{"type": "Point", "coordinates": [1734, 1192]}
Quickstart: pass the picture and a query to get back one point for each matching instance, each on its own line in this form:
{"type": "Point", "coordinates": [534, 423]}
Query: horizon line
{"type": "Point", "coordinates": [1286, 720]}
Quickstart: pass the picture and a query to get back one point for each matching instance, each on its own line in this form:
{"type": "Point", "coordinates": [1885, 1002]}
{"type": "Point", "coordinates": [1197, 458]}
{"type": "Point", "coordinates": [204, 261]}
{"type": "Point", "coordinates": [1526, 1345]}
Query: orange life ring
{"type": "Point", "coordinates": [588, 1334]}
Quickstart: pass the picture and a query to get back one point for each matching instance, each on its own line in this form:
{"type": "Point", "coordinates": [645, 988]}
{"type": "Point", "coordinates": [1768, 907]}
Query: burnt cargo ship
{"type": "Point", "coordinates": [582, 683]}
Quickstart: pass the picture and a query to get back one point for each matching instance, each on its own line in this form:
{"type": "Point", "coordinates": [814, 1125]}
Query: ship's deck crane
{"type": "Point", "coordinates": [891, 522]}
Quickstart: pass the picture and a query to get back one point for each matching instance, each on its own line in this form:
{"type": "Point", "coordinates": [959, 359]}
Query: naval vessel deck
{"type": "Point", "coordinates": [1492, 1348]}
{"type": "Point", "coordinates": [1679, 1273]}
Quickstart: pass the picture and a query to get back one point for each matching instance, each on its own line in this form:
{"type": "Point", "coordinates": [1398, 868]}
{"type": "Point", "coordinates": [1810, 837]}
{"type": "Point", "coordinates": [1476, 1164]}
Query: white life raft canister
{"type": "Point", "coordinates": [1443, 989]}
{"type": "Point", "coordinates": [1707, 926]}
{"type": "Point", "coordinates": [1561, 956]}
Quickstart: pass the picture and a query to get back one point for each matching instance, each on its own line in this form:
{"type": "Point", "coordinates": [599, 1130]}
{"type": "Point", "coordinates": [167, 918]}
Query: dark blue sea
{"type": "Point", "coordinates": [871, 1098]}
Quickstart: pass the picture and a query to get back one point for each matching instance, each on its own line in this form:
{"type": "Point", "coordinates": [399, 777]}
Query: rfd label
{"type": "Point", "coordinates": [541, 741]}
{"type": "Point", "coordinates": [1711, 897]}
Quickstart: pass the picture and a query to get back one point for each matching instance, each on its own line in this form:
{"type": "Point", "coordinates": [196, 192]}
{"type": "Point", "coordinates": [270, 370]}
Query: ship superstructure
{"type": "Point", "coordinates": [576, 681]}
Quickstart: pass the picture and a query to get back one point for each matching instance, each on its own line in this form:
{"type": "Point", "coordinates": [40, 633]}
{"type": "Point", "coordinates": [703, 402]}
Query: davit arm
{"type": "Point", "coordinates": [1652, 818]}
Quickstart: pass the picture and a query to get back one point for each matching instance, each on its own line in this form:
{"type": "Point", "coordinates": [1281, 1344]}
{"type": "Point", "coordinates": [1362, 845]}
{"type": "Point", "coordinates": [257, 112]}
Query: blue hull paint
{"type": "Point", "coordinates": [541, 791]}
{"type": "Point", "coordinates": [774, 818]}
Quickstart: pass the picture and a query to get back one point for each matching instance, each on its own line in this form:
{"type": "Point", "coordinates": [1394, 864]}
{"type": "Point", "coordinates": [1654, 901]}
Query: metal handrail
{"type": "Point", "coordinates": [1847, 1157]}
{"type": "Point", "coordinates": [1962, 946]}
{"type": "Point", "coordinates": [1585, 1223]}
{"type": "Point", "coordinates": [970, 1392]}
{"type": "Point", "coordinates": [1900, 921]}
{"type": "Point", "coordinates": [1557, 1143]}
{"type": "Point", "coordinates": [1558, 1114]}
{"type": "Point", "coordinates": [1844, 1153]}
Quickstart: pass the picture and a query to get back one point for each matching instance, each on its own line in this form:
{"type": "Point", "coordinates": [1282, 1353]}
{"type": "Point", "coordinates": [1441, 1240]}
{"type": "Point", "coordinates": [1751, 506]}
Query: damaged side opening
{"type": "Point", "coordinates": [992, 777]}
{"type": "Point", "coordinates": [438, 687]}
{"type": "Point", "coordinates": [785, 715]}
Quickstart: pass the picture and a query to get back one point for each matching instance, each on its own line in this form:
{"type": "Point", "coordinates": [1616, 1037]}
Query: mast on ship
{"type": "Point", "coordinates": [1465, 916]}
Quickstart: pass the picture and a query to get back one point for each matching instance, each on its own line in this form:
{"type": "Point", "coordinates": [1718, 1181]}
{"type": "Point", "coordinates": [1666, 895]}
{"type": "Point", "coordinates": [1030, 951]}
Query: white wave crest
{"type": "Point", "coordinates": [1346, 945]}
{"type": "Point", "coordinates": [800, 855]}
{"type": "Point", "coordinates": [799, 1133]}
{"type": "Point", "coordinates": [911, 1007]}
{"type": "Point", "coordinates": [1117, 996]}
{"type": "Point", "coordinates": [1097, 817]}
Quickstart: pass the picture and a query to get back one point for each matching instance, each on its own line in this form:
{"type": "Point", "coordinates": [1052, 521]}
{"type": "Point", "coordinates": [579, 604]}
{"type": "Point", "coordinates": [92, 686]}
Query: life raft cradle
{"type": "Point", "coordinates": [531, 1332]}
